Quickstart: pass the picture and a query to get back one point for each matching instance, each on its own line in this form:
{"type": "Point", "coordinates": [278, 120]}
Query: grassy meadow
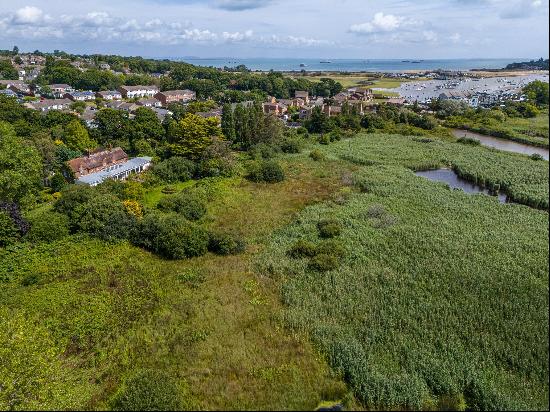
{"type": "Point", "coordinates": [439, 300]}
{"type": "Point", "coordinates": [81, 315]}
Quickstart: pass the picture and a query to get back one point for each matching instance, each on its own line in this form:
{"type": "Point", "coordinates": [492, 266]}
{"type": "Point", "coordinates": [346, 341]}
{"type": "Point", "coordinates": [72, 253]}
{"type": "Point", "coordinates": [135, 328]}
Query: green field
{"type": "Point", "coordinates": [81, 315]}
{"type": "Point", "coordinates": [441, 298]}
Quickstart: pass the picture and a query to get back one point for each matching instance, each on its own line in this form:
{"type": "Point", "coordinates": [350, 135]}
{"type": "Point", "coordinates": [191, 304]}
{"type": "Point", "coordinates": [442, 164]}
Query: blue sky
{"type": "Point", "coordinates": [281, 28]}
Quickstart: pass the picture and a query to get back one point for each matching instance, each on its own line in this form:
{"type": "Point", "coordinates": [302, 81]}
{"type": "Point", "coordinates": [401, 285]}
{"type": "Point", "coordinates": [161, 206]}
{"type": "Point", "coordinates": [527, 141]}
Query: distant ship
{"type": "Point", "coordinates": [325, 61]}
{"type": "Point", "coordinates": [303, 65]}
{"type": "Point", "coordinates": [405, 61]}
{"type": "Point", "coordinates": [416, 61]}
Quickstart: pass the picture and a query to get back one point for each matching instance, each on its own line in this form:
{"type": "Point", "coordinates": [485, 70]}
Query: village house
{"type": "Point", "coordinates": [332, 110]}
{"type": "Point", "coordinates": [103, 164]}
{"type": "Point", "coordinates": [273, 108]}
{"type": "Point", "coordinates": [59, 90]}
{"type": "Point", "coordinates": [128, 107]}
{"type": "Point", "coordinates": [173, 96]}
{"type": "Point", "coordinates": [131, 92]}
{"type": "Point", "coordinates": [395, 101]}
{"type": "Point", "coordinates": [109, 95]}
{"type": "Point", "coordinates": [21, 88]}
{"type": "Point", "coordinates": [50, 104]}
{"type": "Point", "coordinates": [80, 96]}
{"type": "Point", "coordinates": [299, 94]}
{"type": "Point", "coordinates": [151, 102]}
{"type": "Point", "coordinates": [104, 66]}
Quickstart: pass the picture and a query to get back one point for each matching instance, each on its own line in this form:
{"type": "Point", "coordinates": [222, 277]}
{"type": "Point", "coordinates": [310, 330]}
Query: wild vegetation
{"type": "Point", "coordinates": [253, 257]}
{"type": "Point", "coordinates": [437, 293]}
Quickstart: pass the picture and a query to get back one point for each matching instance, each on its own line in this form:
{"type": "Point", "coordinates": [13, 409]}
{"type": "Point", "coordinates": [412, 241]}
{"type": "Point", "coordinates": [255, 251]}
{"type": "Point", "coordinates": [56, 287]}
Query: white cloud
{"type": "Point", "coordinates": [380, 23]}
{"type": "Point", "coordinates": [28, 15]}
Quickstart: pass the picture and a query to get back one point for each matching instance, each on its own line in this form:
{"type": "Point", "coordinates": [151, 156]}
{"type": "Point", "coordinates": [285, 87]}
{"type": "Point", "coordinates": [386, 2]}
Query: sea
{"type": "Point", "coordinates": [351, 65]}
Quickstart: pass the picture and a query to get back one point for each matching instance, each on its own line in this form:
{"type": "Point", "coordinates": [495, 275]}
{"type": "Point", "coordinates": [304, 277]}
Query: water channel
{"type": "Point", "coordinates": [502, 144]}
{"type": "Point", "coordinates": [451, 178]}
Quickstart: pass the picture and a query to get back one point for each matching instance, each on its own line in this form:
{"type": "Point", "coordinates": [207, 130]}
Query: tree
{"type": "Point", "coordinates": [228, 122]}
{"type": "Point", "coordinates": [113, 126]}
{"type": "Point", "coordinates": [537, 92]}
{"type": "Point", "coordinates": [192, 135]}
{"type": "Point", "coordinates": [7, 71]}
{"type": "Point", "coordinates": [20, 166]}
{"type": "Point", "coordinates": [76, 137]}
{"type": "Point", "coordinates": [146, 126]}
{"type": "Point", "coordinates": [319, 122]}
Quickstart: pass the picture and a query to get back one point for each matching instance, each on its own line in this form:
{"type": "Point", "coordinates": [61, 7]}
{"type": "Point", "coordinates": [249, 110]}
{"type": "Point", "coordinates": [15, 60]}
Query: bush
{"type": "Point", "coordinates": [187, 204]}
{"type": "Point", "coordinates": [266, 171]}
{"type": "Point", "coordinates": [323, 263]}
{"type": "Point", "coordinates": [48, 226]}
{"type": "Point", "coordinates": [324, 139]}
{"type": "Point", "coordinates": [536, 156]}
{"type": "Point", "coordinates": [468, 141]}
{"type": "Point", "coordinates": [225, 244]}
{"type": "Point", "coordinates": [331, 247]}
{"type": "Point", "coordinates": [335, 135]}
{"type": "Point", "coordinates": [301, 249]}
{"type": "Point", "coordinates": [291, 145]}
{"type": "Point", "coordinates": [263, 151]}
{"type": "Point", "coordinates": [317, 155]}
{"type": "Point", "coordinates": [148, 390]}
{"type": "Point", "coordinates": [175, 169]}
{"type": "Point", "coordinates": [72, 198]}
{"type": "Point", "coordinates": [9, 234]}
{"type": "Point", "coordinates": [329, 228]}
{"type": "Point", "coordinates": [105, 217]}
{"type": "Point", "coordinates": [171, 236]}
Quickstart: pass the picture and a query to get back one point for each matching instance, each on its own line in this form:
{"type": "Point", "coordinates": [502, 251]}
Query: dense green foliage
{"type": "Point", "coordinates": [268, 171]}
{"type": "Point", "coordinates": [524, 181]}
{"type": "Point", "coordinates": [148, 390]}
{"type": "Point", "coordinates": [421, 313]}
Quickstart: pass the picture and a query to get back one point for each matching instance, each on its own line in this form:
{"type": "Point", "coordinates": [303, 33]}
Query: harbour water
{"type": "Point", "coordinates": [502, 144]}
{"type": "Point", "coordinates": [350, 65]}
{"type": "Point", "coordinates": [451, 178]}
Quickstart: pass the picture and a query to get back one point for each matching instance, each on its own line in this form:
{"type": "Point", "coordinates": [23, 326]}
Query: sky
{"type": "Point", "coordinates": [372, 29]}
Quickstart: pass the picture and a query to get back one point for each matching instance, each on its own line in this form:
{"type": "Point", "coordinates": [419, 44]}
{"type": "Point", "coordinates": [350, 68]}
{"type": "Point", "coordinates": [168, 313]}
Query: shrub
{"type": "Point", "coordinates": [70, 201]}
{"type": "Point", "coordinates": [105, 217]}
{"type": "Point", "coordinates": [291, 145]}
{"type": "Point", "coordinates": [171, 236]}
{"type": "Point", "coordinates": [9, 234]}
{"type": "Point", "coordinates": [323, 263]}
{"type": "Point", "coordinates": [301, 249]}
{"type": "Point", "coordinates": [317, 155]}
{"type": "Point", "coordinates": [188, 204]}
{"type": "Point", "coordinates": [468, 141]}
{"type": "Point", "coordinates": [225, 244]}
{"type": "Point", "coordinates": [329, 228]}
{"type": "Point", "coordinates": [335, 135]}
{"type": "Point", "coordinates": [148, 390]}
{"type": "Point", "coordinates": [180, 239]}
{"type": "Point", "coordinates": [175, 169]}
{"type": "Point", "coordinates": [48, 226]}
{"type": "Point", "coordinates": [331, 247]}
{"type": "Point", "coordinates": [263, 151]}
{"type": "Point", "coordinates": [324, 139]}
{"type": "Point", "coordinates": [266, 171]}
{"type": "Point", "coordinates": [376, 211]}
{"type": "Point", "coordinates": [536, 156]}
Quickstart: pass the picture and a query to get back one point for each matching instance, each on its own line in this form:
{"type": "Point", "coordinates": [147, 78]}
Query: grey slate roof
{"type": "Point", "coordinates": [114, 171]}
